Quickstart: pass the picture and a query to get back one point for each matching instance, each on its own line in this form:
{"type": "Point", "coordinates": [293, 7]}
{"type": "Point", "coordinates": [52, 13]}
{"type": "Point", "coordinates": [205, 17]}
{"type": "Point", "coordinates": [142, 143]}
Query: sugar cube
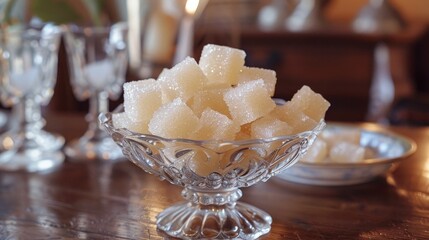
{"type": "Point", "coordinates": [141, 99]}
{"type": "Point", "coordinates": [252, 73]}
{"type": "Point", "coordinates": [312, 104]}
{"type": "Point", "coordinates": [248, 101]}
{"type": "Point", "coordinates": [121, 120]}
{"type": "Point", "coordinates": [174, 120]}
{"type": "Point", "coordinates": [298, 120]}
{"type": "Point", "coordinates": [221, 64]}
{"type": "Point", "coordinates": [212, 98]}
{"type": "Point", "coordinates": [183, 80]}
{"type": "Point", "coordinates": [268, 127]}
{"type": "Point", "coordinates": [214, 125]}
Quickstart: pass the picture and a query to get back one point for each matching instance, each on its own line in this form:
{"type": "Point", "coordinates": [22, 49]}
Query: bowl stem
{"type": "Point", "coordinates": [214, 214]}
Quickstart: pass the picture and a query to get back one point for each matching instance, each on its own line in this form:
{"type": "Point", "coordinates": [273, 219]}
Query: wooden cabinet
{"type": "Point", "coordinates": [336, 62]}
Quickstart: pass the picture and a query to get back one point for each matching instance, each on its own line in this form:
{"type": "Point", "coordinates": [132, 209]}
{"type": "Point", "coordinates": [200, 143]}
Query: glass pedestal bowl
{"type": "Point", "coordinates": [211, 173]}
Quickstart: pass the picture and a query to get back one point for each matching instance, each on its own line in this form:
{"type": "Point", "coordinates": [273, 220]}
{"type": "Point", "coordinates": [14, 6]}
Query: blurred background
{"type": "Point", "coordinates": [369, 58]}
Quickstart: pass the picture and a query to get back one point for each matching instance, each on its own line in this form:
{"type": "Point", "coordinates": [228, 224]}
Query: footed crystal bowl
{"type": "Point", "coordinates": [212, 173]}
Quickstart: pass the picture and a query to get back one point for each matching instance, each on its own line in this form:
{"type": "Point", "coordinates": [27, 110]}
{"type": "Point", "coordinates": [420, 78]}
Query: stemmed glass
{"type": "Point", "coordinates": [97, 65]}
{"type": "Point", "coordinates": [211, 173]}
{"type": "Point", "coordinates": [28, 64]}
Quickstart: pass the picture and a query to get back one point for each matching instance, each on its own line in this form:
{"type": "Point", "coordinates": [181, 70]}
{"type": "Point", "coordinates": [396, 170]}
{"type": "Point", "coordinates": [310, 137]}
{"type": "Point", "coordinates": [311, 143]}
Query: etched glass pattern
{"type": "Point", "coordinates": [212, 173]}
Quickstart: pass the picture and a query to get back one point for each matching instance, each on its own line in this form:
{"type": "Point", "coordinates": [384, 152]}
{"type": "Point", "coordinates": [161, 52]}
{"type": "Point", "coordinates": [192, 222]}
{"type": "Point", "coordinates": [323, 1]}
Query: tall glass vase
{"type": "Point", "coordinates": [97, 65]}
{"type": "Point", "coordinates": [28, 63]}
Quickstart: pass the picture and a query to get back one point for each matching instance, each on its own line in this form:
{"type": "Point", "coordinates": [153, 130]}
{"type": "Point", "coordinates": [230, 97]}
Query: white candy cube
{"type": "Point", "coordinates": [268, 127]}
{"type": "Point", "coordinates": [251, 73]}
{"type": "Point", "coordinates": [214, 125]}
{"type": "Point", "coordinates": [212, 98]}
{"type": "Point", "coordinates": [183, 80]}
{"type": "Point", "coordinates": [299, 121]}
{"type": "Point", "coordinates": [174, 120]}
{"type": "Point", "coordinates": [141, 99]}
{"type": "Point", "coordinates": [249, 101]}
{"type": "Point", "coordinates": [221, 64]}
{"type": "Point", "coordinates": [121, 120]}
{"type": "Point", "coordinates": [311, 104]}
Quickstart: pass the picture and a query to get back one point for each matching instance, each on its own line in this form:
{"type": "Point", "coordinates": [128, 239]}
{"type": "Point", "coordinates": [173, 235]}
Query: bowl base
{"type": "Point", "coordinates": [228, 221]}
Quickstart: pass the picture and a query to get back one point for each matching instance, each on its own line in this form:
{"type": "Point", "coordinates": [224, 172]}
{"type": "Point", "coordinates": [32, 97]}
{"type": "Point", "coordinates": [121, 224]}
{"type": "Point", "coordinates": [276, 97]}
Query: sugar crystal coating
{"type": "Point", "coordinates": [248, 101]}
{"type": "Point", "coordinates": [268, 127]}
{"type": "Point", "coordinates": [174, 120]}
{"type": "Point", "coordinates": [141, 99]}
{"type": "Point", "coordinates": [304, 110]}
{"type": "Point", "coordinates": [183, 80]}
{"type": "Point", "coordinates": [299, 121]}
{"type": "Point", "coordinates": [221, 64]}
{"type": "Point", "coordinates": [212, 98]}
{"type": "Point", "coordinates": [216, 96]}
{"type": "Point", "coordinates": [165, 96]}
{"type": "Point", "coordinates": [252, 73]}
{"type": "Point", "coordinates": [214, 125]}
{"type": "Point", "coordinates": [311, 104]}
{"type": "Point", "coordinates": [217, 99]}
{"type": "Point", "coordinates": [121, 120]}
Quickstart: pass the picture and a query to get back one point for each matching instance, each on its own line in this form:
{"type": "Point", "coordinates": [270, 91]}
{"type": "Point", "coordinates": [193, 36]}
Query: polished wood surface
{"type": "Point", "coordinates": [120, 201]}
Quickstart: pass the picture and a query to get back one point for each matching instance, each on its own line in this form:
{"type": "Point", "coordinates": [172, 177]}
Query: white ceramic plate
{"type": "Point", "coordinates": [389, 149]}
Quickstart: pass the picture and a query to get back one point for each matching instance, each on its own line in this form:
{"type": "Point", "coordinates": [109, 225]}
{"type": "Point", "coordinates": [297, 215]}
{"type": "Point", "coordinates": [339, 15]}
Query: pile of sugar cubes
{"type": "Point", "coordinates": [337, 146]}
{"type": "Point", "coordinates": [217, 98]}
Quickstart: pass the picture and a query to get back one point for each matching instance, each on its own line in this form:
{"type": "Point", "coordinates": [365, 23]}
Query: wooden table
{"type": "Point", "coordinates": [120, 201]}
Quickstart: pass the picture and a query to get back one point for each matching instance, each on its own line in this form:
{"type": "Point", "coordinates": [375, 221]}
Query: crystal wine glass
{"type": "Point", "coordinates": [212, 173]}
{"type": "Point", "coordinates": [97, 65]}
{"type": "Point", "coordinates": [28, 64]}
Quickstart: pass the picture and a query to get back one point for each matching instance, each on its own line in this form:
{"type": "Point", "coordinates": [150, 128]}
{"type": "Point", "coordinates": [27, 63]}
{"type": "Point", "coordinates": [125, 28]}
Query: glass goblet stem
{"type": "Point", "coordinates": [98, 103]}
{"type": "Point", "coordinates": [29, 115]}
{"type": "Point", "coordinates": [29, 119]}
{"type": "Point", "coordinates": [28, 126]}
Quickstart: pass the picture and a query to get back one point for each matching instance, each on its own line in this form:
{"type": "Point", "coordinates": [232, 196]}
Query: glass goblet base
{"type": "Point", "coordinates": [91, 149]}
{"type": "Point", "coordinates": [30, 160]}
{"type": "Point", "coordinates": [30, 151]}
{"type": "Point", "coordinates": [223, 218]}
{"type": "Point", "coordinates": [47, 141]}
